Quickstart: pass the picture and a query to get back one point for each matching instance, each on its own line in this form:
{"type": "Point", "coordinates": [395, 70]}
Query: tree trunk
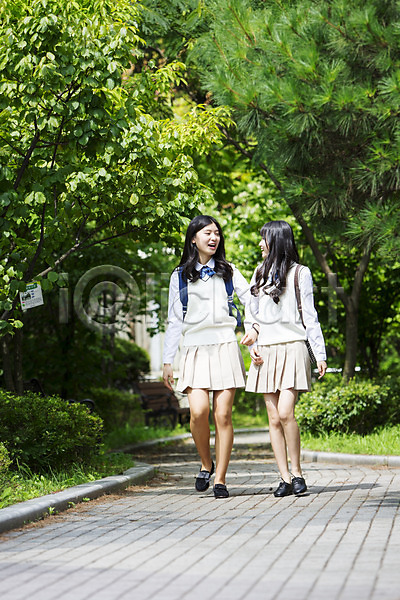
{"type": "Point", "coordinates": [18, 372]}
{"type": "Point", "coordinates": [351, 304]}
{"type": "Point", "coordinates": [6, 347]}
{"type": "Point", "coordinates": [350, 360]}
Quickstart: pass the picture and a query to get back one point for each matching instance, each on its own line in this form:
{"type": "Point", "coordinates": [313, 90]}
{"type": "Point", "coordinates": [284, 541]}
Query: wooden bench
{"type": "Point", "coordinates": [160, 404]}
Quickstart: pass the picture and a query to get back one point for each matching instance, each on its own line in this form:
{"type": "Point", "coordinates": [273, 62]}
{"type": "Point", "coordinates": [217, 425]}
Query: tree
{"type": "Point", "coordinates": [314, 88]}
{"type": "Point", "coordinates": [82, 162]}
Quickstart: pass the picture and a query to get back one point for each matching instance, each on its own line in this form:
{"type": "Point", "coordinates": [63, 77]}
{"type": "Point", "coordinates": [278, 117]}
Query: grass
{"type": "Point", "coordinates": [242, 420]}
{"type": "Point", "coordinates": [23, 484]}
{"type": "Point", "coordinates": [127, 435]}
{"type": "Point", "coordinates": [385, 441]}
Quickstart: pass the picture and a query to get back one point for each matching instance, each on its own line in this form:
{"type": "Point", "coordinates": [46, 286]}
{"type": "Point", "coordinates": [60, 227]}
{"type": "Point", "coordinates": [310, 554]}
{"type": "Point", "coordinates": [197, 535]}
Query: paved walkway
{"type": "Point", "coordinates": [164, 541]}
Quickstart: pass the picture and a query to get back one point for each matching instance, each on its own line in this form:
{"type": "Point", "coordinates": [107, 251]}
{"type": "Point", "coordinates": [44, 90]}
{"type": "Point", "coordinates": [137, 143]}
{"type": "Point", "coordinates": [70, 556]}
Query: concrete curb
{"type": "Point", "coordinates": [19, 514]}
{"type": "Point", "coordinates": [350, 459]}
{"type": "Point", "coordinates": [182, 436]}
{"type": "Point", "coordinates": [306, 455]}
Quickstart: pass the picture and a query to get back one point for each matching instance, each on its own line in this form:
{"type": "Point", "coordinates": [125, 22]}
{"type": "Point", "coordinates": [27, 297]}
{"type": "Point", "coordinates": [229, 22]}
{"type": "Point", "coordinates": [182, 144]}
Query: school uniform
{"type": "Point", "coordinates": [281, 341]}
{"type": "Point", "coordinates": [211, 357]}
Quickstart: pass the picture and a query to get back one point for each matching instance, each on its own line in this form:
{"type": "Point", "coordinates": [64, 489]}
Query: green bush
{"type": "Point", "coordinates": [5, 462]}
{"type": "Point", "coordinates": [355, 407]}
{"type": "Point", "coordinates": [47, 432]}
{"type": "Point", "coordinates": [117, 408]}
{"type": "Point", "coordinates": [392, 409]}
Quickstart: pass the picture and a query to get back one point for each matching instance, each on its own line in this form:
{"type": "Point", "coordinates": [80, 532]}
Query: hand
{"type": "Point", "coordinates": [168, 376]}
{"type": "Point", "coordinates": [321, 366]}
{"type": "Point", "coordinates": [249, 338]}
{"type": "Point", "coordinates": [256, 357]}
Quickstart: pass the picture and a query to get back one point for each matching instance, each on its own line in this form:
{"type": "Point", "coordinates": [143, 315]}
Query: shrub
{"type": "Point", "coordinates": [117, 408]}
{"type": "Point", "coordinates": [355, 407]}
{"type": "Point", "coordinates": [47, 432]}
{"type": "Point", "coordinates": [392, 409]}
{"type": "Point", "coordinates": [5, 460]}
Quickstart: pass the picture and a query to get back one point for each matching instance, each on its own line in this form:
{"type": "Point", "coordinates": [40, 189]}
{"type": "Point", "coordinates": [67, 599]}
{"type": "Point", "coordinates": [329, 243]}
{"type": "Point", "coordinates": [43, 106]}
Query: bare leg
{"type": "Point", "coordinates": [199, 410]}
{"type": "Point", "coordinates": [286, 404]}
{"type": "Point", "coordinates": [222, 409]}
{"type": "Point", "coordinates": [277, 435]}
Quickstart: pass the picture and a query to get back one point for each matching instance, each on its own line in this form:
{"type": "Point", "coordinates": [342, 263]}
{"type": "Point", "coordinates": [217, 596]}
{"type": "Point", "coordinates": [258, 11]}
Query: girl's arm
{"type": "Point", "coordinates": [252, 328]}
{"type": "Point", "coordinates": [310, 316]}
{"type": "Point", "coordinates": [174, 329]}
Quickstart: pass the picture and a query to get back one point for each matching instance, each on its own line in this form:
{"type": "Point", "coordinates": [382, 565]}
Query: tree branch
{"type": "Point", "coordinates": [80, 243]}
{"type": "Point", "coordinates": [26, 160]}
{"type": "Point", "coordinates": [252, 40]}
{"type": "Point", "coordinates": [359, 274]}
{"type": "Point", "coordinates": [20, 152]}
{"type": "Point", "coordinates": [111, 237]}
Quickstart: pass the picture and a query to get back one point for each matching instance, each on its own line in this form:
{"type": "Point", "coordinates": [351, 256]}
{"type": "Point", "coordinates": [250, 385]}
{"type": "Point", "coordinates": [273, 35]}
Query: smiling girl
{"type": "Point", "coordinates": [199, 308]}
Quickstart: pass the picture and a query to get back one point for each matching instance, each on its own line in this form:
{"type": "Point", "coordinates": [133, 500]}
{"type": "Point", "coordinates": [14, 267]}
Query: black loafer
{"type": "Point", "coordinates": [203, 479]}
{"type": "Point", "coordinates": [299, 485]}
{"type": "Point", "coordinates": [283, 489]}
{"type": "Point", "coordinates": [220, 491]}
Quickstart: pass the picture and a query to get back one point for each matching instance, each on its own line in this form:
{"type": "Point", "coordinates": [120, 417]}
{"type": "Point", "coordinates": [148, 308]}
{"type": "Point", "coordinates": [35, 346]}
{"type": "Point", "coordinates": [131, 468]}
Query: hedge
{"type": "Point", "coordinates": [48, 432]}
{"type": "Point", "coordinates": [357, 406]}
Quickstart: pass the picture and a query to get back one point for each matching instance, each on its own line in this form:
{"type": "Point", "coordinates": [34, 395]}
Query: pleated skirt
{"type": "Point", "coordinates": [285, 366]}
{"type": "Point", "coordinates": [211, 367]}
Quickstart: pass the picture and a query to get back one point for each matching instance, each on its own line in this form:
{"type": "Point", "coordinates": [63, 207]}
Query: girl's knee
{"type": "Point", "coordinates": [286, 417]}
{"type": "Point", "coordinates": [274, 420]}
{"type": "Point", "coordinates": [223, 418]}
{"type": "Point", "coordinates": [199, 416]}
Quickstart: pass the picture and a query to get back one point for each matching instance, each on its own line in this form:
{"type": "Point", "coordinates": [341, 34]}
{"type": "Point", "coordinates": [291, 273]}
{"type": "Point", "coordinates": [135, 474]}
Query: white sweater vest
{"type": "Point", "coordinates": [207, 320]}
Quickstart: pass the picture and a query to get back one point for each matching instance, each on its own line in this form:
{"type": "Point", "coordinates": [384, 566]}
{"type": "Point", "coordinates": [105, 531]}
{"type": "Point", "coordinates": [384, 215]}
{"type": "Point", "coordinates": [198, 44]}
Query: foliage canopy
{"type": "Point", "coordinates": [82, 161]}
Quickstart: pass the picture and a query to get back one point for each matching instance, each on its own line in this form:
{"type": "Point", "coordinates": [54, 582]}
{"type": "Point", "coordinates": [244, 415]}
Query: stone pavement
{"type": "Point", "coordinates": [164, 541]}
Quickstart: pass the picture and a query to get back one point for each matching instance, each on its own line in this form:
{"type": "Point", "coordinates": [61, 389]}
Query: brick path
{"type": "Point", "coordinates": [165, 541]}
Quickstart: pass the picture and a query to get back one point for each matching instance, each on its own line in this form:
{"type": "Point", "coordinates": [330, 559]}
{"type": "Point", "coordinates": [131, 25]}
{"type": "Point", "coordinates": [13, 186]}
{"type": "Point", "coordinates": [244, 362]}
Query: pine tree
{"type": "Point", "coordinates": [315, 87]}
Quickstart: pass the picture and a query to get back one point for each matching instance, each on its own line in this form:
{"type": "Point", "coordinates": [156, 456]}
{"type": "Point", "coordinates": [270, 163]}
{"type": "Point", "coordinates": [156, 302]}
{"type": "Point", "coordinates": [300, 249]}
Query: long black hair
{"type": "Point", "coordinates": [190, 255]}
{"type": "Point", "coordinates": [282, 253]}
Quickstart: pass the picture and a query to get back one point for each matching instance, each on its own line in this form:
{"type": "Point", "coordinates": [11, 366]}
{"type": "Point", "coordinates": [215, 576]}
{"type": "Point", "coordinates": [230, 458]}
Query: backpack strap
{"type": "Point", "coordinates": [297, 292]}
{"type": "Point", "coordinates": [313, 360]}
{"type": "Point", "coordinates": [183, 291]}
{"type": "Point", "coordinates": [231, 304]}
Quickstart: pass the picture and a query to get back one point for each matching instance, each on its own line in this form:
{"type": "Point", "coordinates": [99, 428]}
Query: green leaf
{"type": "Point", "coordinates": [52, 276]}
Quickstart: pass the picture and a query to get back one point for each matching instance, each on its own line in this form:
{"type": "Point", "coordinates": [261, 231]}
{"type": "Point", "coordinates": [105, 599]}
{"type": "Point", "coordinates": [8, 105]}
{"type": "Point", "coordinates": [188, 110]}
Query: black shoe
{"type": "Point", "coordinates": [284, 489]}
{"type": "Point", "coordinates": [203, 479]}
{"type": "Point", "coordinates": [220, 491]}
{"type": "Point", "coordinates": [299, 485]}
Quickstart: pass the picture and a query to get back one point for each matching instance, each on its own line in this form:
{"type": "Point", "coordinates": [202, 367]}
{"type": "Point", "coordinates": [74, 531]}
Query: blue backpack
{"type": "Point", "coordinates": [183, 294]}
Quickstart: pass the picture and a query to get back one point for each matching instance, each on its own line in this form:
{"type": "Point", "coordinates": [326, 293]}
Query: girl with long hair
{"type": "Point", "coordinates": [200, 309]}
{"type": "Point", "coordinates": [280, 366]}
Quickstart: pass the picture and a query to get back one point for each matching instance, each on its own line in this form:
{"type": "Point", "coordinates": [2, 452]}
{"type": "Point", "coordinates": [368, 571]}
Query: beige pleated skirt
{"type": "Point", "coordinates": [211, 367]}
{"type": "Point", "coordinates": [285, 366]}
